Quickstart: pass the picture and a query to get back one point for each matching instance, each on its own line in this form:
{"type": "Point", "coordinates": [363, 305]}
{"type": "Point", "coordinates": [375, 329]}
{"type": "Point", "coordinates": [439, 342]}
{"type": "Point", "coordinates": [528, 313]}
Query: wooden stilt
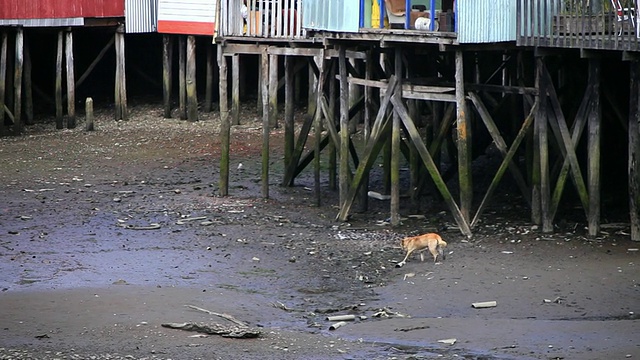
{"type": "Point", "coordinates": [273, 91]}
{"type": "Point", "coordinates": [594, 148]}
{"type": "Point", "coordinates": [317, 121]}
{"type": "Point", "coordinates": [311, 97]}
{"type": "Point", "coordinates": [363, 198]}
{"type": "Point", "coordinates": [371, 150]}
{"type": "Point", "coordinates": [463, 141]}
{"type": "Point", "coordinates": [88, 110]}
{"type": "Point", "coordinates": [289, 125]}
{"type": "Point", "coordinates": [167, 73]}
{"type": "Point", "coordinates": [208, 90]}
{"type": "Point", "coordinates": [395, 146]}
{"type": "Point", "coordinates": [330, 113]}
{"type": "Point", "coordinates": [344, 126]}
{"type": "Point", "coordinates": [58, 85]}
{"type": "Point", "coordinates": [265, 122]}
{"type": "Point", "coordinates": [192, 95]}
{"type": "Point", "coordinates": [259, 104]}
{"type": "Point", "coordinates": [634, 149]}
{"type": "Point", "coordinates": [121, 74]}
{"type": "Point", "coordinates": [225, 124]}
{"type": "Point", "coordinates": [542, 147]}
{"type": "Point", "coordinates": [71, 87]}
{"type": "Point", "coordinates": [17, 81]}
{"type": "Point", "coordinates": [182, 76]}
{"type": "Point", "coordinates": [3, 74]}
{"type": "Point", "coordinates": [27, 84]}
{"type": "Point", "coordinates": [235, 89]}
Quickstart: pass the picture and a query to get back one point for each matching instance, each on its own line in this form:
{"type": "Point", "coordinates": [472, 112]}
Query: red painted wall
{"type": "Point", "coordinates": [47, 9]}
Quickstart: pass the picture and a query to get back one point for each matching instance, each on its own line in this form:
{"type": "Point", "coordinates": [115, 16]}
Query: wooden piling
{"type": "Point", "coordinates": [363, 198]}
{"type": "Point", "coordinates": [289, 125]}
{"type": "Point", "coordinates": [595, 117]}
{"type": "Point", "coordinates": [332, 111]}
{"type": "Point", "coordinates": [208, 90]}
{"type": "Point", "coordinates": [58, 82]}
{"type": "Point", "coordinates": [121, 75]}
{"type": "Point", "coordinates": [344, 126]}
{"type": "Point", "coordinates": [265, 122]}
{"type": "Point", "coordinates": [273, 91]}
{"type": "Point", "coordinates": [395, 146]}
{"type": "Point", "coordinates": [235, 89]}
{"type": "Point", "coordinates": [633, 165]}
{"type": "Point", "coordinates": [167, 73]}
{"type": "Point", "coordinates": [3, 73]}
{"type": "Point", "coordinates": [317, 123]}
{"type": "Point", "coordinates": [463, 141]}
{"type": "Point", "coordinates": [192, 96]}
{"type": "Point", "coordinates": [89, 118]}
{"type": "Point", "coordinates": [71, 85]}
{"type": "Point", "coordinates": [543, 147]}
{"type": "Point", "coordinates": [17, 80]}
{"type": "Point", "coordinates": [225, 124]}
{"type": "Point", "coordinates": [182, 77]}
{"type": "Point", "coordinates": [27, 84]}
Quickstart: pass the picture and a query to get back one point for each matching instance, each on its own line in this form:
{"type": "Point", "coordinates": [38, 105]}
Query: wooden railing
{"type": "Point", "coordinates": [261, 18]}
{"type": "Point", "coordinates": [572, 24]}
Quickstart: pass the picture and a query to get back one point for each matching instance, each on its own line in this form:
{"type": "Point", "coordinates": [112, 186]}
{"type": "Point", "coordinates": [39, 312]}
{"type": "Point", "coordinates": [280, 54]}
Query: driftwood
{"type": "Point", "coordinates": [240, 329]}
{"type": "Point", "coordinates": [232, 331]}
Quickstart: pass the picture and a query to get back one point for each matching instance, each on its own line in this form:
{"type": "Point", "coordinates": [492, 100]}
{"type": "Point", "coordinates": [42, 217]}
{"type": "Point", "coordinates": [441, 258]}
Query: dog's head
{"type": "Point", "coordinates": [404, 243]}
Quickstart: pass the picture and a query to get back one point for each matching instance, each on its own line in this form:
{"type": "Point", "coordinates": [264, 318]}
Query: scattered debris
{"type": "Point", "coordinates": [448, 341]}
{"type": "Point", "coordinates": [484, 304]}
{"type": "Point", "coordinates": [387, 313]}
{"type": "Point", "coordinates": [377, 195]}
{"type": "Point", "coordinates": [239, 330]}
{"type": "Point", "coordinates": [183, 221]}
{"type": "Point", "coordinates": [347, 317]}
{"type": "Point", "coordinates": [152, 226]}
{"type": "Point", "coordinates": [337, 325]}
{"type": "Point", "coordinates": [557, 300]}
{"type": "Point", "coordinates": [408, 275]}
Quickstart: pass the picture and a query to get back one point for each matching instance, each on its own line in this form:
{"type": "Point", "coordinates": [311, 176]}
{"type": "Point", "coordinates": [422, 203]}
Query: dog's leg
{"type": "Point", "coordinates": [421, 257]}
{"type": "Point", "coordinates": [404, 261]}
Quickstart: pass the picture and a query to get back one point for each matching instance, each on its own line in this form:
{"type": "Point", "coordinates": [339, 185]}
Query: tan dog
{"type": "Point", "coordinates": [431, 241]}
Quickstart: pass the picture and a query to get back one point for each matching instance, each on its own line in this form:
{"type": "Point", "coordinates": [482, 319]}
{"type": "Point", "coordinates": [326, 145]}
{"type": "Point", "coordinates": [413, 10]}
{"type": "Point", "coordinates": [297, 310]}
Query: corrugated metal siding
{"type": "Point", "coordinates": [194, 17]}
{"type": "Point", "coordinates": [331, 15]}
{"type": "Point", "coordinates": [52, 9]}
{"type": "Point", "coordinates": [141, 16]}
{"type": "Point", "coordinates": [43, 22]}
{"type": "Point", "coordinates": [486, 21]}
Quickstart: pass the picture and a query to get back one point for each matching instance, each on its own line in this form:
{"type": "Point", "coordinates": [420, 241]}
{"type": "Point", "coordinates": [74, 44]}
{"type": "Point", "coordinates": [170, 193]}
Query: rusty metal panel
{"type": "Point", "coordinates": [191, 17]}
{"type": "Point", "coordinates": [486, 21]}
{"type": "Point", "coordinates": [49, 9]}
{"type": "Point", "coordinates": [331, 15]}
{"type": "Point", "coordinates": [141, 16]}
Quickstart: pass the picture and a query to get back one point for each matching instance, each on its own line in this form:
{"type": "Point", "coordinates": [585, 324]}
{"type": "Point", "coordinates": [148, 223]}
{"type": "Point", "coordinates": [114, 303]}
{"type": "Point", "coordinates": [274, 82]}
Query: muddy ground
{"type": "Point", "coordinates": [82, 276]}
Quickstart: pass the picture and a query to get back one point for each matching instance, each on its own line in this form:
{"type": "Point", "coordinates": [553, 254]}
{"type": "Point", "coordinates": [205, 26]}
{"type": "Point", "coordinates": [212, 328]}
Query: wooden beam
{"type": "Point", "coordinates": [318, 128]}
{"type": "Point", "coordinates": [208, 87]}
{"type": "Point", "coordinates": [3, 74]}
{"type": "Point", "coordinates": [542, 147]}
{"type": "Point", "coordinates": [235, 89]}
{"type": "Point", "coordinates": [17, 82]}
{"type": "Point", "coordinates": [370, 152]}
{"type": "Point", "coordinates": [633, 165]}
{"type": "Point", "coordinates": [95, 62]}
{"type": "Point", "coordinates": [121, 74]}
{"type": "Point", "coordinates": [273, 91]}
{"type": "Point", "coordinates": [28, 84]}
{"type": "Point", "coordinates": [463, 141]}
{"type": "Point", "coordinates": [264, 65]}
{"type": "Point", "coordinates": [394, 204]}
{"type": "Point", "coordinates": [462, 222]}
{"type": "Point", "coordinates": [501, 145]}
{"type": "Point", "coordinates": [593, 171]}
{"type": "Point", "coordinates": [167, 72]}
{"type": "Point", "coordinates": [71, 90]}
{"type": "Point", "coordinates": [289, 124]}
{"type": "Point", "coordinates": [344, 125]}
{"type": "Point", "coordinates": [182, 77]}
{"type": "Point", "coordinates": [58, 81]}
{"type": "Point", "coordinates": [506, 162]}
{"type": "Point", "coordinates": [192, 95]}
{"type": "Point", "coordinates": [225, 125]}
